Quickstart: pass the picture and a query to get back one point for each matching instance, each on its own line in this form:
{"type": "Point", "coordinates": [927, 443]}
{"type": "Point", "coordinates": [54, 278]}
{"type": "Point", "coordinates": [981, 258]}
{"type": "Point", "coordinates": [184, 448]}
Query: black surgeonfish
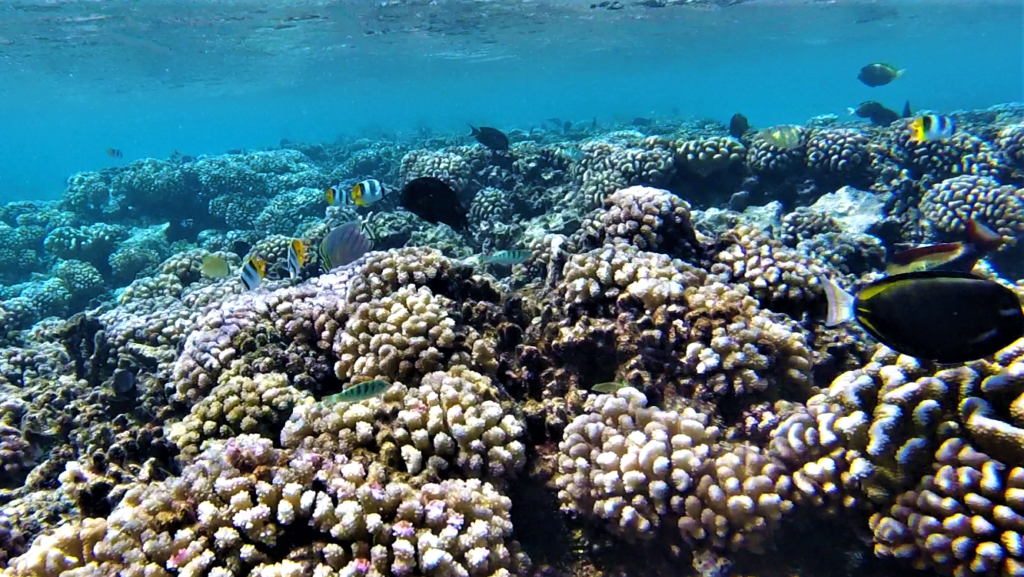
{"type": "Point", "coordinates": [434, 201]}
{"type": "Point", "coordinates": [946, 317]}
{"type": "Point", "coordinates": [878, 114]}
{"type": "Point", "coordinates": [738, 125]}
{"type": "Point", "coordinates": [490, 137]}
{"type": "Point", "coordinates": [875, 75]}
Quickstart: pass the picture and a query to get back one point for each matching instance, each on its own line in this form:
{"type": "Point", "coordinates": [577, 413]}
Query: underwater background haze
{"type": "Point", "coordinates": [204, 77]}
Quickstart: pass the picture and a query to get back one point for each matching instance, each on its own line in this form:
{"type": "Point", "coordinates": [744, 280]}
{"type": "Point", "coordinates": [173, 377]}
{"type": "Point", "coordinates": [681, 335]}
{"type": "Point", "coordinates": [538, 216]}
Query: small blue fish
{"type": "Point", "coordinates": [356, 393]}
{"type": "Point", "coordinates": [344, 245]}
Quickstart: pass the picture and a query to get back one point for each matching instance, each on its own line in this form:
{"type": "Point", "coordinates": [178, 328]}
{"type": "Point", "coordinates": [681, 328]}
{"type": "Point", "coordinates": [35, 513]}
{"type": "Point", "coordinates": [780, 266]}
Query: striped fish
{"type": "Point", "coordinates": [356, 393]}
{"type": "Point", "coordinates": [296, 257]}
{"type": "Point", "coordinates": [344, 245]}
{"type": "Point", "coordinates": [507, 257]}
{"type": "Point", "coordinates": [366, 192]}
{"type": "Point", "coordinates": [931, 127]}
{"type": "Point", "coordinates": [254, 270]}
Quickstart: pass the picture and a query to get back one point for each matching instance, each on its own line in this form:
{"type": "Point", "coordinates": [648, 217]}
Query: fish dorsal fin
{"type": "Point", "coordinates": [982, 236]}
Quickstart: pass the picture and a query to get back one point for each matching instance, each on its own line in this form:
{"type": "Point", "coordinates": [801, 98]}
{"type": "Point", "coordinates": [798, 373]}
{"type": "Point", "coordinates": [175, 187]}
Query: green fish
{"type": "Point", "coordinates": [609, 387]}
{"type": "Point", "coordinates": [507, 257]}
{"type": "Point", "coordinates": [786, 137]}
{"type": "Point", "coordinates": [356, 393]}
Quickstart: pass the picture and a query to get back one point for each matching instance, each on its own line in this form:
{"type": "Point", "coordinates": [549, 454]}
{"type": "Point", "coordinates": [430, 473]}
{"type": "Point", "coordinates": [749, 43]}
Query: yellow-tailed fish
{"type": "Point", "coordinates": [942, 316]}
{"type": "Point", "coordinates": [609, 387]}
{"type": "Point", "coordinates": [296, 257]}
{"type": "Point", "coordinates": [344, 245]}
{"type": "Point", "coordinates": [331, 195]}
{"type": "Point", "coordinates": [254, 270]}
{"type": "Point", "coordinates": [215, 266]}
{"type": "Point", "coordinates": [931, 127]}
{"type": "Point", "coordinates": [366, 192]}
{"type": "Point", "coordinates": [360, 392]}
{"type": "Point", "coordinates": [507, 257]}
{"type": "Point", "coordinates": [879, 74]}
{"type": "Point", "coordinates": [786, 137]}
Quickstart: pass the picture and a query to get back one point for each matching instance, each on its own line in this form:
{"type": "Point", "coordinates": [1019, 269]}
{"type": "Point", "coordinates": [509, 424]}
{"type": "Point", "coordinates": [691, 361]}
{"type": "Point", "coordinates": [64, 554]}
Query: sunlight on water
{"type": "Point", "coordinates": [191, 75]}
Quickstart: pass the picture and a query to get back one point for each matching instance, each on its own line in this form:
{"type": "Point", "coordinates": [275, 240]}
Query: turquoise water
{"type": "Point", "coordinates": [203, 77]}
{"type": "Point", "coordinates": [268, 309]}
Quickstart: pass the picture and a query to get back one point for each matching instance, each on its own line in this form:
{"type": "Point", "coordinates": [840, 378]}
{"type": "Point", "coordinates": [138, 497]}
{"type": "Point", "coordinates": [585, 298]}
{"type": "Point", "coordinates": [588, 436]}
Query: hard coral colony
{"type": "Point", "coordinates": [171, 422]}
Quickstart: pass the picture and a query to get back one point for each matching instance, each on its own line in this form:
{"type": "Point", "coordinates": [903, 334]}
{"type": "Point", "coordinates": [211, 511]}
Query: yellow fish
{"type": "Point", "coordinates": [785, 137]}
{"type": "Point", "coordinates": [931, 127]}
{"type": "Point", "coordinates": [215, 266]}
{"type": "Point", "coordinates": [296, 257]}
{"type": "Point", "coordinates": [331, 195]}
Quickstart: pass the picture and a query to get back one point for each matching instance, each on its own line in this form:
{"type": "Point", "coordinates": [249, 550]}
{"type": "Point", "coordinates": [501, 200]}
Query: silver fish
{"type": "Point", "coordinates": [344, 245]}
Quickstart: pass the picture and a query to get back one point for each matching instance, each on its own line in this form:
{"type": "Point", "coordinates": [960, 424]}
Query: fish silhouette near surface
{"type": "Point", "coordinates": [490, 137]}
{"type": "Point", "coordinates": [878, 74]}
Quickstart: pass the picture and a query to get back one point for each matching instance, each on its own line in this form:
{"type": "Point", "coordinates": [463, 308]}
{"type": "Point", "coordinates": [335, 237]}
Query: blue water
{"type": "Point", "coordinates": [204, 77]}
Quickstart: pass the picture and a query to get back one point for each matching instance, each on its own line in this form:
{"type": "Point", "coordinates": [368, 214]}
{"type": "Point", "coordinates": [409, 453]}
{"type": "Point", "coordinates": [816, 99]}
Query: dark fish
{"type": "Point", "coordinates": [641, 121]}
{"type": "Point", "coordinates": [738, 125]}
{"type": "Point", "coordinates": [866, 109]}
{"type": "Point", "coordinates": [124, 381]}
{"type": "Point", "coordinates": [946, 317]}
{"type": "Point", "coordinates": [567, 126]}
{"type": "Point", "coordinates": [878, 114]}
{"type": "Point", "coordinates": [490, 137]}
{"type": "Point", "coordinates": [875, 75]}
{"type": "Point", "coordinates": [961, 256]}
{"type": "Point", "coordinates": [555, 121]}
{"type": "Point", "coordinates": [114, 153]}
{"type": "Point", "coordinates": [434, 201]}
{"type": "Point", "coordinates": [907, 112]}
{"type": "Point", "coordinates": [344, 245]}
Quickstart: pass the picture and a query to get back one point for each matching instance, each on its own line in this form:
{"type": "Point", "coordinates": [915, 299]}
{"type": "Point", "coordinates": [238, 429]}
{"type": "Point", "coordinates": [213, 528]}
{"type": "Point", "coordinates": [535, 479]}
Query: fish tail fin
{"type": "Point", "coordinates": [851, 111]}
{"type": "Point", "coordinates": [983, 237]}
{"type": "Point", "coordinates": [917, 130]}
{"type": "Point", "coordinates": [901, 72]}
{"type": "Point", "coordinates": [840, 304]}
{"type": "Point", "coordinates": [474, 129]}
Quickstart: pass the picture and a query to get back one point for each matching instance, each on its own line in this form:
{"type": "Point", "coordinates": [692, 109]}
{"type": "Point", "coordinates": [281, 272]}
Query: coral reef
{"type": "Point", "coordinates": [649, 376]}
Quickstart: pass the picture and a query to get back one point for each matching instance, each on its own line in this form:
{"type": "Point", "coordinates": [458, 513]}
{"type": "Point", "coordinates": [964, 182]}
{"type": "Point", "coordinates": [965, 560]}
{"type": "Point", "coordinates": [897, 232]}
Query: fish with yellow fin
{"type": "Point", "coordinates": [786, 137]}
{"type": "Point", "coordinates": [959, 256]}
{"type": "Point", "coordinates": [297, 257]}
{"type": "Point", "coordinates": [254, 270]}
{"type": "Point", "coordinates": [215, 266]}
{"type": "Point", "coordinates": [941, 316]}
{"type": "Point", "coordinates": [362, 193]}
{"type": "Point", "coordinates": [932, 127]}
